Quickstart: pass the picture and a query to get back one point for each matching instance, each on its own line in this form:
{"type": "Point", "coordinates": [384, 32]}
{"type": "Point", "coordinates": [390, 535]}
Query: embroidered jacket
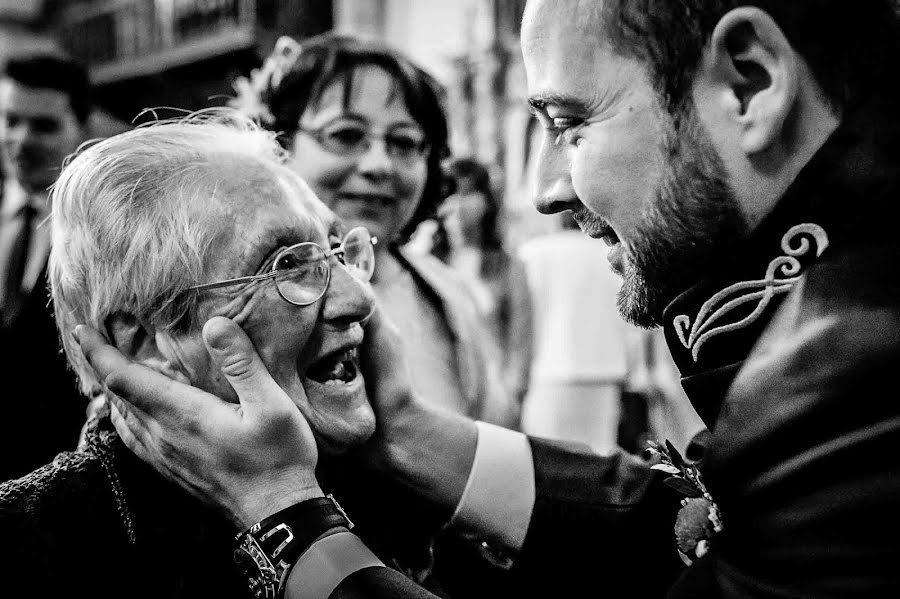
{"type": "Point", "coordinates": [789, 351]}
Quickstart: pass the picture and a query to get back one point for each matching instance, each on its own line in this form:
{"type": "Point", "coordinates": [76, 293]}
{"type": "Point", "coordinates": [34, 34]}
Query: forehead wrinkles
{"type": "Point", "coordinates": [298, 193]}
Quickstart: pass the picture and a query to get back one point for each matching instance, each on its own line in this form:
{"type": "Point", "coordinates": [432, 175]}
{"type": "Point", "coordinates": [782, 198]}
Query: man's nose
{"type": "Point", "coordinates": [375, 162]}
{"type": "Point", "coordinates": [553, 181]}
{"type": "Point", "coordinates": [347, 300]}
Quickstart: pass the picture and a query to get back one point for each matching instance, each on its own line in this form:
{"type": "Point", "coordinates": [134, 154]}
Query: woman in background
{"type": "Point", "coordinates": [469, 238]}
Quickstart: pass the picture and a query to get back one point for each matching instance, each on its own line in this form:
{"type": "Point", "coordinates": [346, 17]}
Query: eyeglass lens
{"type": "Point", "coordinates": [303, 273]}
{"type": "Point", "coordinates": [351, 138]}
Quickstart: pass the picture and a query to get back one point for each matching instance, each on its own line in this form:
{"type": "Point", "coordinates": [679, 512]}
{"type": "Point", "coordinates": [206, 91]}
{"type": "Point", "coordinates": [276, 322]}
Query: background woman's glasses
{"type": "Point", "coordinates": [353, 139]}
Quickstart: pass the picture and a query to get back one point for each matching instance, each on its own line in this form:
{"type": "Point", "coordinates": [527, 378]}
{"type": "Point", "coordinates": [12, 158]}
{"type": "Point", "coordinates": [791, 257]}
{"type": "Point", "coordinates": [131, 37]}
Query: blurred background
{"type": "Point", "coordinates": [187, 53]}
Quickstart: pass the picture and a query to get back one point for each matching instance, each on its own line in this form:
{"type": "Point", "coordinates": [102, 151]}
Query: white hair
{"type": "Point", "coordinates": [127, 235]}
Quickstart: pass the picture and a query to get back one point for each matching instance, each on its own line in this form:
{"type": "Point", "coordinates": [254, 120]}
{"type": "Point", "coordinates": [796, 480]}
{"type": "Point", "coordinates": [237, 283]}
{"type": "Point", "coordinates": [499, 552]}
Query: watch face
{"type": "Point", "coordinates": [245, 563]}
{"type": "Point", "coordinates": [254, 565]}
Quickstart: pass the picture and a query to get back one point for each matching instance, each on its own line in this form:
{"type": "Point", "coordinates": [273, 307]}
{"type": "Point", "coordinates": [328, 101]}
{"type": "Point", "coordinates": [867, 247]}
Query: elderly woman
{"type": "Point", "coordinates": [366, 130]}
{"type": "Point", "coordinates": [155, 231]}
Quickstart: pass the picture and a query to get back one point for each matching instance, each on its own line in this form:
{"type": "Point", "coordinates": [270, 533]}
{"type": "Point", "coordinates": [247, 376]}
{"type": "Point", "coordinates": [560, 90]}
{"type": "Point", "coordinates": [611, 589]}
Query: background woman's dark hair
{"type": "Point", "coordinates": [328, 58]}
{"type": "Point", "coordinates": [490, 237]}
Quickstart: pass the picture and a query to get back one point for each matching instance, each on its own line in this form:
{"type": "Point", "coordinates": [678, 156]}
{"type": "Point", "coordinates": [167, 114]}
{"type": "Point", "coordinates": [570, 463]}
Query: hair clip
{"type": "Point", "coordinates": [262, 81]}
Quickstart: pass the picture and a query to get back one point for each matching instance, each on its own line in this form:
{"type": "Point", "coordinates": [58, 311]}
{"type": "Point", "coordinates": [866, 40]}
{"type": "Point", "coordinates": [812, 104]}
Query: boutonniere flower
{"type": "Point", "coordinates": [699, 518]}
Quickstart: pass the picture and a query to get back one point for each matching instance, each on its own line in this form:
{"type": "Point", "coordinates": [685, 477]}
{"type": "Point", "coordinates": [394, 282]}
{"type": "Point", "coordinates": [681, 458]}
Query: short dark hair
{"type": "Point", "coordinates": [470, 168]}
{"type": "Point", "coordinates": [46, 71]}
{"type": "Point", "coordinates": [329, 57]}
{"type": "Point", "coordinates": [851, 47]}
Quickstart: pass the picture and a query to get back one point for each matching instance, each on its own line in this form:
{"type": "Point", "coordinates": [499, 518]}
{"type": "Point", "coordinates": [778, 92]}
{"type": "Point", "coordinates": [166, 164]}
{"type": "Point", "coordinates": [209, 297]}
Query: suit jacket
{"type": "Point", "coordinates": [43, 408]}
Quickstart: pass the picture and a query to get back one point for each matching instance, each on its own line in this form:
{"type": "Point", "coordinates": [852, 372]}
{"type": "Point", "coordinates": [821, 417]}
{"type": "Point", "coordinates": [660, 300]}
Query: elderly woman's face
{"type": "Point", "coordinates": [379, 186]}
{"type": "Point", "coordinates": [309, 350]}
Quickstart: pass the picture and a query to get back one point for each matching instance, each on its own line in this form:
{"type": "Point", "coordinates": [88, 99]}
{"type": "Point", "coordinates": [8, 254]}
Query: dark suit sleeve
{"type": "Point", "coordinates": [600, 525]}
{"type": "Point", "coordinates": [377, 582]}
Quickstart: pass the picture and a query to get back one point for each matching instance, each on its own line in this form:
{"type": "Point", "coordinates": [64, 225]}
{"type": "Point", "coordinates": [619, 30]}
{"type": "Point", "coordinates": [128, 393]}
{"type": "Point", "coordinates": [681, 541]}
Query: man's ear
{"type": "Point", "coordinates": [753, 73]}
{"type": "Point", "coordinates": [138, 340]}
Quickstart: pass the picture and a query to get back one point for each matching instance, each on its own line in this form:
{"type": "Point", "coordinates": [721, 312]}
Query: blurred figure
{"type": "Point", "coordinates": [44, 110]}
{"type": "Point", "coordinates": [470, 239]}
{"type": "Point", "coordinates": [581, 345]}
{"type": "Point", "coordinates": [367, 131]}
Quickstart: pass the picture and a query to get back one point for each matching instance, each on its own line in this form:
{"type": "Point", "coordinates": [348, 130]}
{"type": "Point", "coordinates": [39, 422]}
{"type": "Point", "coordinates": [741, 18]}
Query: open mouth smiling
{"type": "Point", "coordinates": [336, 368]}
{"type": "Point", "coordinates": [596, 227]}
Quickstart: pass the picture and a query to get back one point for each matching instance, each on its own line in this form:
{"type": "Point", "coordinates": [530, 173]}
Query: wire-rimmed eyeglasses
{"type": "Point", "coordinates": [302, 272]}
{"type": "Point", "coordinates": [351, 138]}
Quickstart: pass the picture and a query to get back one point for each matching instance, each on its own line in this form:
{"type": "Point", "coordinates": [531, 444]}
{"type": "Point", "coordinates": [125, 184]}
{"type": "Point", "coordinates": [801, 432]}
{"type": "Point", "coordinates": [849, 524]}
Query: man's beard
{"type": "Point", "coordinates": [691, 224]}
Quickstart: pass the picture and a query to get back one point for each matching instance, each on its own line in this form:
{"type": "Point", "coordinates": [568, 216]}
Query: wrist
{"type": "Point", "coordinates": [260, 505]}
{"type": "Point", "coordinates": [267, 551]}
{"type": "Point", "coordinates": [432, 453]}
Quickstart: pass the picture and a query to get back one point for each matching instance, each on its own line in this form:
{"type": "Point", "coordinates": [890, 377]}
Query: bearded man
{"type": "Point", "coordinates": [742, 160]}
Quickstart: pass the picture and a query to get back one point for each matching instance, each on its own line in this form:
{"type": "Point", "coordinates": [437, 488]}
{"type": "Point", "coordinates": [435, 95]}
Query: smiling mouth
{"type": "Point", "coordinates": [596, 227]}
{"type": "Point", "coordinates": [608, 236]}
{"type": "Point", "coordinates": [335, 369]}
{"type": "Point", "coordinates": [371, 199]}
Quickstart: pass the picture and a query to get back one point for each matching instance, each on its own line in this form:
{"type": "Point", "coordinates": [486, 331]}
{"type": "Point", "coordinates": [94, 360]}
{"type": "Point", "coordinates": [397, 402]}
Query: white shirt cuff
{"type": "Point", "coordinates": [326, 563]}
{"type": "Point", "coordinates": [499, 496]}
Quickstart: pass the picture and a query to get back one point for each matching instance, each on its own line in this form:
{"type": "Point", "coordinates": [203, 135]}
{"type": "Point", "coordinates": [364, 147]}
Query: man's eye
{"type": "Point", "coordinates": [564, 122]}
{"type": "Point", "coordinates": [566, 129]}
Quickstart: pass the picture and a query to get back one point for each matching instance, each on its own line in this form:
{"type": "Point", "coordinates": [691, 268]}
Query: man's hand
{"type": "Point", "coordinates": [428, 450]}
{"type": "Point", "coordinates": [249, 459]}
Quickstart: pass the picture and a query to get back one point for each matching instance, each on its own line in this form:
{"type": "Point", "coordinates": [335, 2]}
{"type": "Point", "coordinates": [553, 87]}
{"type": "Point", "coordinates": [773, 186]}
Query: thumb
{"type": "Point", "coordinates": [234, 354]}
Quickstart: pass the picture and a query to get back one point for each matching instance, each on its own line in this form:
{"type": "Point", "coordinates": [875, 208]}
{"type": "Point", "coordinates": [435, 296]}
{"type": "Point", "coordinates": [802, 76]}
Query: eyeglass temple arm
{"type": "Point", "coordinates": [231, 282]}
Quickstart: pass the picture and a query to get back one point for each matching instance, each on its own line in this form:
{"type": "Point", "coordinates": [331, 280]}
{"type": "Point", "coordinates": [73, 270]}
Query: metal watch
{"type": "Point", "coordinates": [267, 550]}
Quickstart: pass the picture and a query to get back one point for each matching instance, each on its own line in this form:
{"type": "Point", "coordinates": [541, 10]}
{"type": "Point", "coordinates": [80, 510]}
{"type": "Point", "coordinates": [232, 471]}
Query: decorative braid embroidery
{"type": "Point", "coordinates": [781, 274]}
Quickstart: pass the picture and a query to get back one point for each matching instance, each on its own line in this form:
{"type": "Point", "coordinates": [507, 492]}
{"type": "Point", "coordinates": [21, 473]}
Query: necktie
{"type": "Point", "coordinates": [16, 258]}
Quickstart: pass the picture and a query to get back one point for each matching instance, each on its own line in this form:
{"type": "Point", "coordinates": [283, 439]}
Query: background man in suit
{"type": "Point", "coordinates": [44, 110]}
{"type": "Point", "coordinates": [743, 160]}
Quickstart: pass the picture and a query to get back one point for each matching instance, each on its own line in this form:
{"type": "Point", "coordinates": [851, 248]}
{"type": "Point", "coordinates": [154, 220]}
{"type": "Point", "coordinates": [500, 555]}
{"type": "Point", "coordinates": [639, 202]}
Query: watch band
{"type": "Point", "coordinates": [267, 550]}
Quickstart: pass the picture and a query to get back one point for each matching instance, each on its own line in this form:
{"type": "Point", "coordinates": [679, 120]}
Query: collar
{"type": "Point", "coordinates": [15, 198]}
{"type": "Point", "coordinates": [711, 327]}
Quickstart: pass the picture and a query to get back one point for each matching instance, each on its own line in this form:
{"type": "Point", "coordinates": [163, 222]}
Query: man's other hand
{"type": "Point", "coordinates": [428, 450]}
{"type": "Point", "coordinates": [249, 459]}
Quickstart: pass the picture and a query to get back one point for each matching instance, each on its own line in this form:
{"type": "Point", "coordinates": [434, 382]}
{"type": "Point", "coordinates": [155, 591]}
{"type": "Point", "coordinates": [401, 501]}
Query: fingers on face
{"type": "Point", "coordinates": [235, 355]}
{"type": "Point", "coordinates": [101, 356]}
{"type": "Point", "coordinates": [129, 424]}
